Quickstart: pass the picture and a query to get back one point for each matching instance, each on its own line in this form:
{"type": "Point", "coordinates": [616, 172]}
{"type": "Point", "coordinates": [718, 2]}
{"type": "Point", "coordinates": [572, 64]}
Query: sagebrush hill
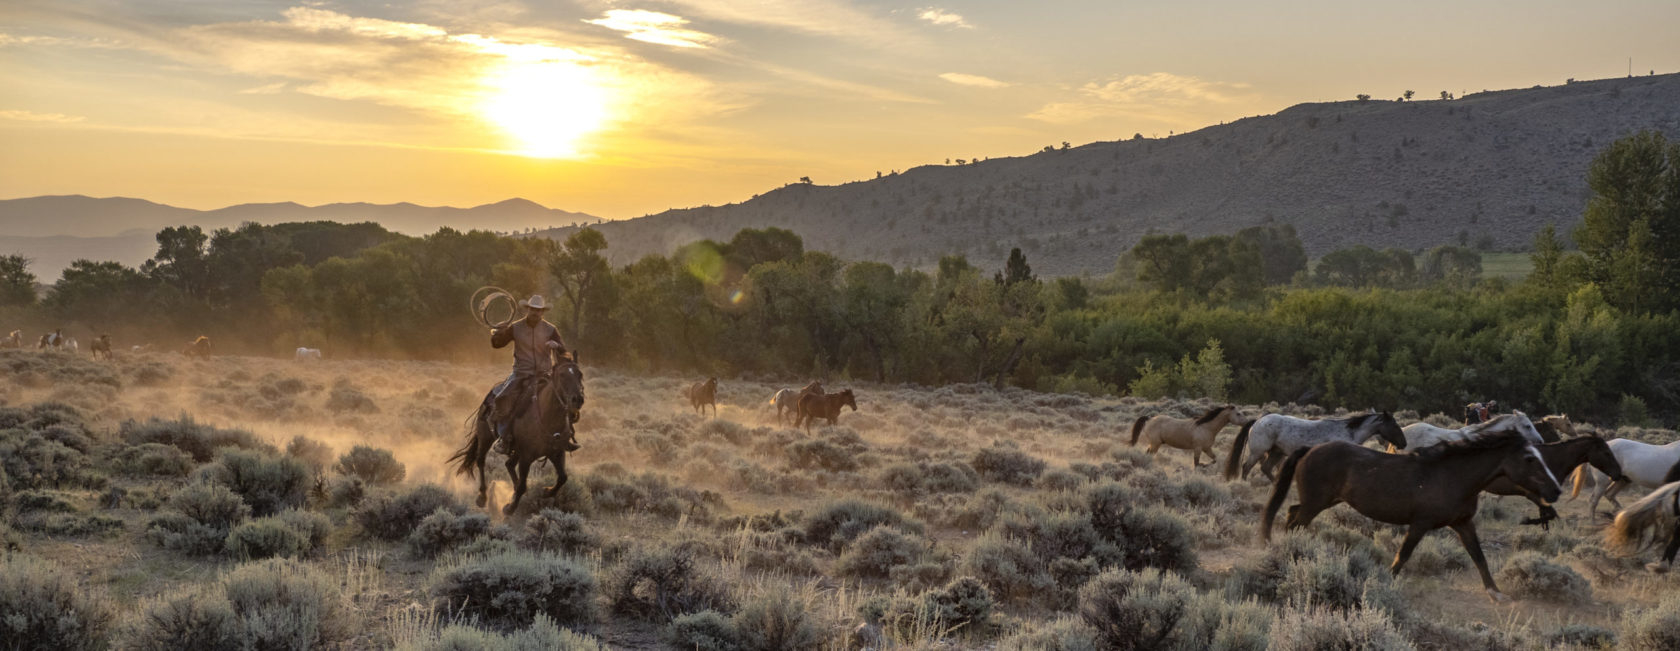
{"type": "Point", "coordinates": [1488, 168]}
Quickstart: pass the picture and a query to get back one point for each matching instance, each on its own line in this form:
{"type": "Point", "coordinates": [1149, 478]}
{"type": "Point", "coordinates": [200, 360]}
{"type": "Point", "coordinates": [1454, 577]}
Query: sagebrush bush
{"type": "Point", "coordinates": [1061, 480]}
{"type": "Point", "coordinates": [925, 478]}
{"type": "Point", "coordinates": [707, 630]}
{"type": "Point", "coordinates": [42, 607]}
{"type": "Point", "coordinates": [659, 583]}
{"type": "Point", "coordinates": [33, 461]}
{"type": "Point", "coordinates": [1528, 575]}
{"type": "Point", "coordinates": [836, 524]}
{"type": "Point", "coordinates": [553, 530]}
{"type": "Point", "coordinates": [1582, 636]}
{"type": "Point", "coordinates": [1008, 567]}
{"type": "Point", "coordinates": [1317, 629]}
{"type": "Point", "coordinates": [1301, 569]}
{"type": "Point", "coordinates": [1066, 633]}
{"type": "Point", "coordinates": [1140, 610]}
{"type": "Point", "coordinates": [343, 492]}
{"type": "Point", "coordinates": [816, 454]}
{"type": "Point", "coordinates": [289, 533]}
{"type": "Point", "coordinates": [375, 466]}
{"type": "Point", "coordinates": [878, 551]}
{"type": "Point", "coordinates": [1654, 628]}
{"type": "Point", "coordinates": [1007, 465]}
{"type": "Point", "coordinates": [445, 530]}
{"type": "Point", "coordinates": [199, 518]}
{"type": "Point", "coordinates": [269, 483]}
{"type": "Point", "coordinates": [543, 635]}
{"type": "Point", "coordinates": [347, 398]}
{"type": "Point", "coordinates": [392, 516]}
{"type": "Point", "coordinates": [508, 590]}
{"type": "Point", "coordinates": [196, 439]}
{"type": "Point", "coordinates": [153, 460]}
{"type": "Point", "coordinates": [309, 451]}
{"type": "Point", "coordinates": [964, 605]}
{"type": "Point", "coordinates": [776, 621]}
{"type": "Point", "coordinates": [34, 501]}
{"type": "Point", "coordinates": [272, 604]}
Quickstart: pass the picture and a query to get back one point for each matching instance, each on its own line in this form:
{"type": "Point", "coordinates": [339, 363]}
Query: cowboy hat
{"type": "Point", "coordinates": [535, 302]}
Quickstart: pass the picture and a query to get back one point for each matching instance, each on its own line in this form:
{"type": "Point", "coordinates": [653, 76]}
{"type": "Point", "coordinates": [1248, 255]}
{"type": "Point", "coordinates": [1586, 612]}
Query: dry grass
{"type": "Point", "coordinates": [741, 494]}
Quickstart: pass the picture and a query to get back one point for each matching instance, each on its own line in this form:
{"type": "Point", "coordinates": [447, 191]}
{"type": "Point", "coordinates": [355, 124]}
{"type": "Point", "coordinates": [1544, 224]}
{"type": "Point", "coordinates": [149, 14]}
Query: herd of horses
{"type": "Point", "coordinates": [1431, 477]}
{"type": "Point", "coordinates": [99, 348]}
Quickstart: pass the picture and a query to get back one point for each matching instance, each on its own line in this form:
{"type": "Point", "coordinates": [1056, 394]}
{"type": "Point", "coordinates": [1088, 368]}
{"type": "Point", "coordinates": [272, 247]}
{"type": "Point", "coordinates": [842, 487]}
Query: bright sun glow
{"type": "Point", "coordinates": [546, 106]}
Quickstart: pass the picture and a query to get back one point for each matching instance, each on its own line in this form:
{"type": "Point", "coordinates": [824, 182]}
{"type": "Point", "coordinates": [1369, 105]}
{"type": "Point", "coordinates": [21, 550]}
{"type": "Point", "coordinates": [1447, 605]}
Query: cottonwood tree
{"type": "Point", "coordinates": [17, 284]}
{"type": "Point", "coordinates": [578, 266]}
{"type": "Point", "coordinates": [1630, 233]}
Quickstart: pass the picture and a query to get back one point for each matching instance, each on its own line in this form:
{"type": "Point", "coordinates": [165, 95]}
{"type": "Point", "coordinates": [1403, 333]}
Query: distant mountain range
{"type": "Point", "coordinates": [56, 230]}
{"type": "Point", "coordinates": [1492, 167]}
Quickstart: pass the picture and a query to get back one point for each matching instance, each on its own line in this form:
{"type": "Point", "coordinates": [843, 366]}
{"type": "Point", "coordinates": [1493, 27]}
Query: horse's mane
{"type": "Point", "coordinates": [201, 339]}
{"type": "Point", "coordinates": [1212, 414]}
{"type": "Point", "coordinates": [1477, 441]}
{"type": "Point", "coordinates": [1355, 422]}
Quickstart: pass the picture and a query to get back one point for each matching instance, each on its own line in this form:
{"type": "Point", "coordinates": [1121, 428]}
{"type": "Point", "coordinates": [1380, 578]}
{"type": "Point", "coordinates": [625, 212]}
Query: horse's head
{"type": "Point", "coordinates": [1388, 430]}
{"type": "Point", "coordinates": [1562, 424]}
{"type": "Point", "coordinates": [566, 381]}
{"type": "Point", "coordinates": [1520, 423]}
{"type": "Point", "coordinates": [1524, 467]}
{"type": "Point", "coordinates": [1602, 458]}
{"type": "Point", "coordinates": [848, 399]}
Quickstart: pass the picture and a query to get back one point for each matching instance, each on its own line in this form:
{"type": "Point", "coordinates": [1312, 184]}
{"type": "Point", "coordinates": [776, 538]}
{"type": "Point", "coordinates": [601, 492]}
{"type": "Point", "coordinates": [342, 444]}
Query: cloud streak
{"type": "Point", "coordinates": [654, 27]}
{"type": "Point", "coordinates": [1150, 96]}
{"type": "Point", "coordinates": [943, 18]}
{"type": "Point", "coordinates": [31, 116]}
{"type": "Point", "coordinates": [976, 81]}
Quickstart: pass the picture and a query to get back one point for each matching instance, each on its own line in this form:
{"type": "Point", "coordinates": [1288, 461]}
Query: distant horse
{"type": "Point", "coordinates": [1286, 434]}
{"type": "Point", "coordinates": [1182, 433]}
{"type": "Point", "coordinates": [13, 340]}
{"type": "Point", "coordinates": [71, 345]}
{"type": "Point", "coordinates": [1431, 488]}
{"type": "Point", "coordinates": [1423, 435]}
{"type": "Point", "coordinates": [101, 347]}
{"type": "Point", "coordinates": [540, 430]}
{"type": "Point", "coordinates": [1643, 464]}
{"type": "Point", "coordinates": [1555, 427]}
{"type": "Point", "coordinates": [1562, 458]}
{"type": "Point", "coordinates": [199, 348]}
{"type": "Point", "coordinates": [1637, 526]}
{"type": "Point", "coordinates": [813, 406]}
{"type": "Point", "coordinates": [307, 355]}
{"type": "Point", "coordinates": [53, 340]}
{"type": "Point", "coordinates": [787, 400]}
{"type": "Point", "coordinates": [701, 394]}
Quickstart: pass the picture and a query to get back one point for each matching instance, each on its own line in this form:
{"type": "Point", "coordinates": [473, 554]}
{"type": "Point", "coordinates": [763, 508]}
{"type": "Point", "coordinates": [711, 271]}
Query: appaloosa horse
{"type": "Point", "coordinates": [1286, 434]}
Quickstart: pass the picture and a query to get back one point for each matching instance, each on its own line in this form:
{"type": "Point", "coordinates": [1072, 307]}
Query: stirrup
{"type": "Point", "coordinates": [569, 445]}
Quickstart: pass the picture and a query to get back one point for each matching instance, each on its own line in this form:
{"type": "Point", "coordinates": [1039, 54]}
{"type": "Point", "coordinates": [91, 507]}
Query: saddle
{"type": "Point", "coordinates": [514, 401]}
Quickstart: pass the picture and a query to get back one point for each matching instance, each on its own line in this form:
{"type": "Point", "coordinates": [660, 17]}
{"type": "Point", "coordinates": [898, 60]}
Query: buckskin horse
{"type": "Point", "coordinates": [1183, 433]}
{"type": "Point", "coordinates": [1428, 489]}
{"type": "Point", "coordinates": [540, 430]}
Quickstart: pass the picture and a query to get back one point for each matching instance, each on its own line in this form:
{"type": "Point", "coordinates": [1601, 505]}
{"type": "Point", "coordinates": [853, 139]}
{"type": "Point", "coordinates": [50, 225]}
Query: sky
{"type": "Point", "coordinates": [620, 108]}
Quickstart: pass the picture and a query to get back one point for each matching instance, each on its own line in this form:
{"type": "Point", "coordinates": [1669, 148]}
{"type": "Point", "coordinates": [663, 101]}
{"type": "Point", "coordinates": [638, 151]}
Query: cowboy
{"type": "Point", "coordinates": [535, 344]}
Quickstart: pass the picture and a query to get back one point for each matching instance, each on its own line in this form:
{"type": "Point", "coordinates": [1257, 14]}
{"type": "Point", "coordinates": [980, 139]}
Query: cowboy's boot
{"type": "Point", "coordinates": [570, 444]}
{"type": "Point", "coordinates": [503, 438]}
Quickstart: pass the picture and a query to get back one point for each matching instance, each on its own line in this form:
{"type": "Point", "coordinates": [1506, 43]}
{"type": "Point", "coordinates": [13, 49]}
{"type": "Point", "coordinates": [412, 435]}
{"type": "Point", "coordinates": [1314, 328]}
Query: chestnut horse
{"type": "Point", "coordinates": [701, 394]}
{"type": "Point", "coordinates": [1428, 489]}
{"type": "Point", "coordinates": [1563, 458]}
{"type": "Point", "coordinates": [813, 406]}
{"type": "Point", "coordinates": [540, 431]}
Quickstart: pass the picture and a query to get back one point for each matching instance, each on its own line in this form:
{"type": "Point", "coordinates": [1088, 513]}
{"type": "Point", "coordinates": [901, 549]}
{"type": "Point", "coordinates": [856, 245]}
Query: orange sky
{"type": "Point", "coordinates": [624, 108]}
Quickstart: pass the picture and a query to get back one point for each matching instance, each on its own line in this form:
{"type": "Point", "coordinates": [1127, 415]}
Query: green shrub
{"type": "Point", "coordinates": [836, 524]}
{"type": "Point", "coordinates": [392, 516]}
{"type": "Point", "coordinates": [1302, 570]}
{"type": "Point", "coordinates": [444, 530]}
{"type": "Point", "coordinates": [1007, 465]}
{"type": "Point", "coordinates": [878, 551]}
{"type": "Point", "coordinates": [196, 439]}
{"type": "Point", "coordinates": [33, 461]}
{"type": "Point", "coordinates": [553, 530]}
{"type": "Point", "coordinates": [42, 606]}
{"type": "Point", "coordinates": [153, 460]}
{"type": "Point", "coordinates": [37, 501]}
{"type": "Point", "coordinates": [658, 584]}
{"type": "Point", "coordinates": [1301, 629]}
{"type": "Point", "coordinates": [543, 635]}
{"type": "Point", "coordinates": [375, 466]}
{"type": "Point", "coordinates": [776, 621]}
{"type": "Point", "coordinates": [269, 483]}
{"type": "Point", "coordinates": [508, 590]}
{"type": "Point", "coordinates": [1528, 575]}
{"type": "Point", "coordinates": [199, 518]}
{"type": "Point", "coordinates": [272, 604]}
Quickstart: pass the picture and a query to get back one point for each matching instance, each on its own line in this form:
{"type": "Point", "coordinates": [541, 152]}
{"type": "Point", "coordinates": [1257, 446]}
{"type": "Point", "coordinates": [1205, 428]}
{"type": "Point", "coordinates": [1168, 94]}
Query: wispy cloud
{"type": "Point", "coordinates": [31, 116]}
{"type": "Point", "coordinates": [943, 18]}
{"type": "Point", "coordinates": [265, 89]}
{"type": "Point", "coordinates": [978, 81]}
{"type": "Point", "coordinates": [825, 17]}
{"type": "Point", "coordinates": [1151, 96]}
{"type": "Point", "coordinates": [654, 27]}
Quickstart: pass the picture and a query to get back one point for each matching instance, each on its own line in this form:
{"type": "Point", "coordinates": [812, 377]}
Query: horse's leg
{"type": "Point", "coordinates": [559, 476]}
{"type": "Point", "coordinates": [1661, 566]}
{"type": "Point", "coordinates": [1311, 505]}
{"type": "Point", "coordinates": [1547, 513]}
{"type": "Point", "coordinates": [516, 470]}
{"type": "Point", "coordinates": [481, 452]}
{"type": "Point", "coordinates": [1213, 459]}
{"type": "Point", "coordinates": [1414, 535]}
{"type": "Point", "coordinates": [1467, 534]}
{"type": "Point", "coordinates": [1614, 490]}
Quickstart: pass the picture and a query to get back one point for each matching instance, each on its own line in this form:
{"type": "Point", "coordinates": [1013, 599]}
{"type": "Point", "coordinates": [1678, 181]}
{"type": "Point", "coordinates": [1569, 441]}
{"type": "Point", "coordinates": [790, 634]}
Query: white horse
{"type": "Point", "coordinates": [71, 345]}
{"type": "Point", "coordinates": [307, 355]}
{"type": "Point", "coordinates": [1423, 435]}
{"type": "Point", "coordinates": [784, 401]}
{"type": "Point", "coordinates": [1644, 465]}
{"type": "Point", "coordinates": [1286, 434]}
{"type": "Point", "coordinates": [1182, 433]}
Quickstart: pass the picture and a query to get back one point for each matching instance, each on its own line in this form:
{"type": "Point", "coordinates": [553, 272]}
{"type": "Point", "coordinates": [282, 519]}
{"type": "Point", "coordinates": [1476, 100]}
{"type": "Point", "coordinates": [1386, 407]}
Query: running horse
{"type": "Point", "coordinates": [101, 347]}
{"type": "Point", "coordinates": [1643, 464]}
{"type": "Point", "coordinates": [1423, 435]}
{"type": "Point", "coordinates": [813, 406]}
{"type": "Point", "coordinates": [540, 430]}
{"type": "Point", "coordinates": [1286, 434]}
{"type": "Point", "coordinates": [787, 400]}
{"type": "Point", "coordinates": [1562, 458]}
{"type": "Point", "coordinates": [1183, 433]}
{"type": "Point", "coordinates": [199, 348]}
{"type": "Point", "coordinates": [701, 394]}
{"type": "Point", "coordinates": [13, 340]}
{"type": "Point", "coordinates": [1428, 489]}
{"type": "Point", "coordinates": [1639, 525]}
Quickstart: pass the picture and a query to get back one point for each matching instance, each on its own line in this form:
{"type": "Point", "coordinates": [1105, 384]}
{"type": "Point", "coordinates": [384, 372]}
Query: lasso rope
{"type": "Point", "coordinates": [485, 299]}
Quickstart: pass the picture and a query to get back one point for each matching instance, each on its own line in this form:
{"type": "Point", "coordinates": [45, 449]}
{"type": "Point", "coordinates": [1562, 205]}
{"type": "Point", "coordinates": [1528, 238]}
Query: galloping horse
{"type": "Point", "coordinates": [1643, 464]}
{"type": "Point", "coordinates": [1423, 435]}
{"type": "Point", "coordinates": [1182, 433]}
{"type": "Point", "coordinates": [199, 348]}
{"type": "Point", "coordinates": [13, 340]}
{"type": "Point", "coordinates": [1562, 458]}
{"type": "Point", "coordinates": [813, 406]}
{"type": "Point", "coordinates": [1286, 434]}
{"type": "Point", "coordinates": [53, 340]}
{"type": "Point", "coordinates": [101, 347]}
{"type": "Point", "coordinates": [701, 394]}
{"type": "Point", "coordinates": [787, 400]}
{"type": "Point", "coordinates": [1555, 427]}
{"type": "Point", "coordinates": [1635, 527]}
{"type": "Point", "coordinates": [540, 431]}
{"type": "Point", "coordinates": [1431, 488]}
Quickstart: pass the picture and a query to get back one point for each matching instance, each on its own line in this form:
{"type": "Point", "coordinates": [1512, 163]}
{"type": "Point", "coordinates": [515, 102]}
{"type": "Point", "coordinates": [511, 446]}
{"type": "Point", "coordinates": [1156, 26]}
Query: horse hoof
{"type": "Point", "coordinates": [1498, 597]}
{"type": "Point", "coordinates": [507, 510]}
{"type": "Point", "coordinates": [1657, 568]}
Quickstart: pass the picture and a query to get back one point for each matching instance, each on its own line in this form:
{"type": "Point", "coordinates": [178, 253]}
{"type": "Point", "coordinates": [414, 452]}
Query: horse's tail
{"type": "Point", "coordinates": [1583, 479]}
{"type": "Point", "coordinates": [467, 455]}
{"type": "Point", "coordinates": [1280, 491]}
{"type": "Point", "coordinates": [1629, 531]}
{"type": "Point", "coordinates": [1137, 428]}
{"type": "Point", "coordinates": [1235, 458]}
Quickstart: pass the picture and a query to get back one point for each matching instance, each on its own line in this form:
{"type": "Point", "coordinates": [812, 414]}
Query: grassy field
{"type": "Point", "coordinates": [1510, 266]}
{"type": "Point", "coordinates": [950, 517]}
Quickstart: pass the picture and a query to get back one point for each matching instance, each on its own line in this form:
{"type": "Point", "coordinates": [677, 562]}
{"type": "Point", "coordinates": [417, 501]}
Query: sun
{"type": "Point", "coordinates": [546, 107]}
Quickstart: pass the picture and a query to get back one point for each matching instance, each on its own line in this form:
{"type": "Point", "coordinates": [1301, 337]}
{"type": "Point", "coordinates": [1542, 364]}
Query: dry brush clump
{"type": "Point", "coordinates": [1158, 610]}
{"type": "Point", "coordinates": [542, 635]}
{"type": "Point", "coordinates": [197, 439]}
{"type": "Point", "coordinates": [1529, 575]}
{"type": "Point", "coordinates": [375, 466]}
{"type": "Point", "coordinates": [390, 515]}
{"type": "Point", "coordinates": [508, 590]}
{"type": "Point", "coordinates": [1341, 572]}
{"type": "Point", "coordinates": [1318, 629]}
{"type": "Point", "coordinates": [272, 604]}
{"type": "Point", "coordinates": [445, 530]}
{"type": "Point", "coordinates": [554, 530]}
{"type": "Point", "coordinates": [661, 582]}
{"type": "Point", "coordinates": [267, 482]}
{"type": "Point", "coordinates": [198, 520]}
{"type": "Point", "coordinates": [290, 533]}
{"type": "Point", "coordinates": [42, 606]}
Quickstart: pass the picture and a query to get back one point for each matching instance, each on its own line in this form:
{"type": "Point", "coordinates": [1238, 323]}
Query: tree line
{"type": "Point", "coordinates": [1241, 316]}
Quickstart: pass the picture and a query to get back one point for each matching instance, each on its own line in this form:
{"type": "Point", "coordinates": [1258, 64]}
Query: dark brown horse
{"type": "Point", "coordinates": [1561, 458]}
{"type": "Point", "coordinates": [701, 394]}
{"type": "Point", "coordinates": [102, 347]}
{"type": "Point", "coordinates": [1428, 489]}
{"type": "Point", "coordinates": [540, 430]}
{"type": "Point", "coordinates": [813, 406]}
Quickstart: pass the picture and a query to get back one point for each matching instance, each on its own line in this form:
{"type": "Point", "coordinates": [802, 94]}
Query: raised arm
{"type": "Point", "coordinates": [501, 337]}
